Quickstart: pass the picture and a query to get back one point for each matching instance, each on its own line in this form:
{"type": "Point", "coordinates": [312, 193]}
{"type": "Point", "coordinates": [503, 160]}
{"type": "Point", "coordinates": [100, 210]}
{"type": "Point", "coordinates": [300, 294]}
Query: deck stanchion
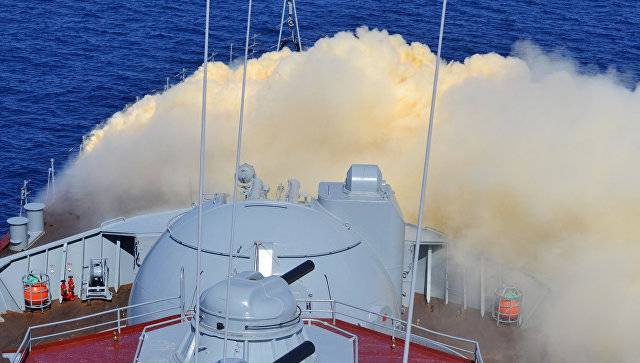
{"type": "Point", "coordinates": [333, 311]}
{"type": "Point", "coordinates": [182, 303]}
{"type": "Point", "coordinates": [464, 287]}
{"type": "Point", "coordinates": [117, 284]}
{"type": "Point", "coordinates": [427, 290]}
{"type": "Point", "coordinates": [446, 274]}
{"type": "Point", "coordinates": [118, 314]}
{"type": "Point", "coordinates": [63, 268]}
{"type": "Point", "coordinates": [83, 267]}
{"type": "Point", "coordinates": [482, 287]}
{"type": "Point", "coordinates": [393, 334]}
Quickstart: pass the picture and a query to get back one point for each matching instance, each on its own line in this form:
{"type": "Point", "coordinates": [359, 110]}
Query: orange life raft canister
{"type": "Point", "coordinates": [509, 309]}
{"type": "Point", "coordinates": [35, 290]}
{"type": "Point", "coordinates": [36, 294]}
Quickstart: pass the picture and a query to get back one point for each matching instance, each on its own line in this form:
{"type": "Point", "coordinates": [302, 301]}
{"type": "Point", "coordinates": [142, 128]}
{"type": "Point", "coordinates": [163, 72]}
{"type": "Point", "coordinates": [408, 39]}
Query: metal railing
{"type": "Point", "coordinates": [118, 323]}
{"type": "Point", "coordinates": [309, 321]}
{"type": "Point", "coordinates": [352, 337]}
{"type": "Point", "coordinates": [112, 221]}
{"type": "Point", "coordinates": [145, 331]}
{"type": "Point", "coordinates": [336, 308]}
{"type": "Point", "coordinates": [397, 326]}
{"type": "Point", "coordinates": [26, 256]}
{"type": "Point", "coordinates": [173, 219]}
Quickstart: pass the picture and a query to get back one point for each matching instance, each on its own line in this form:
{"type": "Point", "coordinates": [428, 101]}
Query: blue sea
{"type": "Point", "coordinates": [66, 66]}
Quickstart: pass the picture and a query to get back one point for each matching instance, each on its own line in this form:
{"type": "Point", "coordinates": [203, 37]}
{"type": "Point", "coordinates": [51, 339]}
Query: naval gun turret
{"type": "Point", "coordinates": [261, 321]}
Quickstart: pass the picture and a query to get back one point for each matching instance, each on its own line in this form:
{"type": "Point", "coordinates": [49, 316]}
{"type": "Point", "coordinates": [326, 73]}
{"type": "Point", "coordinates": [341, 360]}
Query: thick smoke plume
{"type": "Point", "coordinates": [532, 161]}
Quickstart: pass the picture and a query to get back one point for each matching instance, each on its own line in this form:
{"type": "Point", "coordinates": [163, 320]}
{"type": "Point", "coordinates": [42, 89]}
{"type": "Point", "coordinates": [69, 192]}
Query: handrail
{"type": "Point", "coordinates": [29, 338]}
{"type": "Point", "coordinates": [117, 321]}
{"type": "Point", "coordinates": [112, 221]}
{"type": "Point", "coordinates": [15, 301]}
{"type": "Point", "coordinates": [53, 244]}
{"type": "Point", "coordinates": [430, 229]}
{"type": "Point", "coordinates": [352, 337]}
{"type": "Point", "coordinates": [447, 347]}
{"type": "Point", "coordinates": [103, 312]}
{"type": "Point", "coordinates": [333, 303]}
{"type": "Point", "coordinates": [173, 219]}
{"type": "Point", "coordinates": [143, 334]}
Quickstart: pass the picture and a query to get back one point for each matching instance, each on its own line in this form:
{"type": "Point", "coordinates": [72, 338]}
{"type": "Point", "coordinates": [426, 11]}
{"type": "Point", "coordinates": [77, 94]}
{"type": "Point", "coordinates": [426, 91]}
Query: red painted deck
{"type": "Point", "coordinates": [92, 348]}
{"type": "Point", "coordinates": [373, 347]}
{"type": "Point", "coordinates": [4, 242]}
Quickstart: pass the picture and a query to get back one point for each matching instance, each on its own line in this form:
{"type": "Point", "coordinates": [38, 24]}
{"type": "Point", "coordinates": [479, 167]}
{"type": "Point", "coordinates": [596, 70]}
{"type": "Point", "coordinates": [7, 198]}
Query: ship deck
{"type": "Point", "coordinates": [16, 324]}
{"type": "Point", "coordinates": [94, 346]}
{"type": "Point", "coordinates": [56, 227]}
{"type": "Point", "coordinates": [498, 344]}
{"type": "Point", "coordinates": [100, 347]}
{"type": "Point", "coordinates": [373, 347]}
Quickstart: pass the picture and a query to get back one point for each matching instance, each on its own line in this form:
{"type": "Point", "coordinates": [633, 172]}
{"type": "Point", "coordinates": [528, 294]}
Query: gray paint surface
{"type": "Point", "coordinates": [356, 235]}
{"type": "Point", "coordinates": [295, 231]}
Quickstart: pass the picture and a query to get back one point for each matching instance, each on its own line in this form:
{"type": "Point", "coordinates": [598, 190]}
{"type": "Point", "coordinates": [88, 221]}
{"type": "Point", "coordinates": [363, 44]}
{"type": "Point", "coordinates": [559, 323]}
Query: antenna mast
{"type": "Point", "coordinates": [253, 46]}
{"type": "Point", "coordinates": [292, 21]}
{"type": "Point", "coordinates": [234, 200]}
{"type": "Point", "coordinates": [24, 194]}
{"type": "Point", "coordinates": [51, 181]}
{"type": "Point", "coordinates": [203, 127]}
{"type": "Point", "coordinates": [423, 189]}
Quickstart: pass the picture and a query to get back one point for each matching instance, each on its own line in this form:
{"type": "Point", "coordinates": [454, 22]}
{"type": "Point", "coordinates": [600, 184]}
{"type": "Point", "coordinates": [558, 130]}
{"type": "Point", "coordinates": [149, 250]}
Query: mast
{"type": "Point", "coordinates": [51, 180]}
{"type": "Point", "coordinates": [292, 22]}
{"type": "Point", "coordinates": [234, 199]}
{"type": "Point", "coordinates": [203, 127]}
{"type": "Point", "coordinates": [24, 194]}
{"type": "Point", "coordinates": [423, 189]}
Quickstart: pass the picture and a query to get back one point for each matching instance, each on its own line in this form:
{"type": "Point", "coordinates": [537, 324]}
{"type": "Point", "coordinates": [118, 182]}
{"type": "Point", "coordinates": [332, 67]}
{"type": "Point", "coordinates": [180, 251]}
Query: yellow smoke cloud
{"type": "Point", "coordinates": [532, 161]}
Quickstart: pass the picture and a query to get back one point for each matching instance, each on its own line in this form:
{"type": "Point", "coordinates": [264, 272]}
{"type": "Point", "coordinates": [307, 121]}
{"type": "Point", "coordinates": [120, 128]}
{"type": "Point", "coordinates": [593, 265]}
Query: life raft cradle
{"type": "Point", "coordinates": [507, 307]}
{"type": "Point", "coordinates": [36, 291]}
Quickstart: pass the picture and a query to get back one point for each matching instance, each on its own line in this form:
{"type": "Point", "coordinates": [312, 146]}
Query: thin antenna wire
{"type": "Point", "coordinates": [51, 181]}
{"type": "Point", "coordinates": [24, 195]}
{"type": "Point", "coordinates": [235, 183]}
{"type": "Point", "coordinates": [284, 6]}
{"type": "Point", "coordinates": [203, 128]}
{"type": "Point", "coordinates": [48, 184]}
{"type": "Point", "coordinates": [295, 15]}
{"type": "Point", "coordinates": [294, 33]}
{"type": "Point", "coordinates": [53, 178]}
{"type": "Point", "coordinates": [425, 174]}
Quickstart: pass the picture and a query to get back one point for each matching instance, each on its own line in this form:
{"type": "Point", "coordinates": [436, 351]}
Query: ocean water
{"type": "Point", "coordinates": [66, 66]}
